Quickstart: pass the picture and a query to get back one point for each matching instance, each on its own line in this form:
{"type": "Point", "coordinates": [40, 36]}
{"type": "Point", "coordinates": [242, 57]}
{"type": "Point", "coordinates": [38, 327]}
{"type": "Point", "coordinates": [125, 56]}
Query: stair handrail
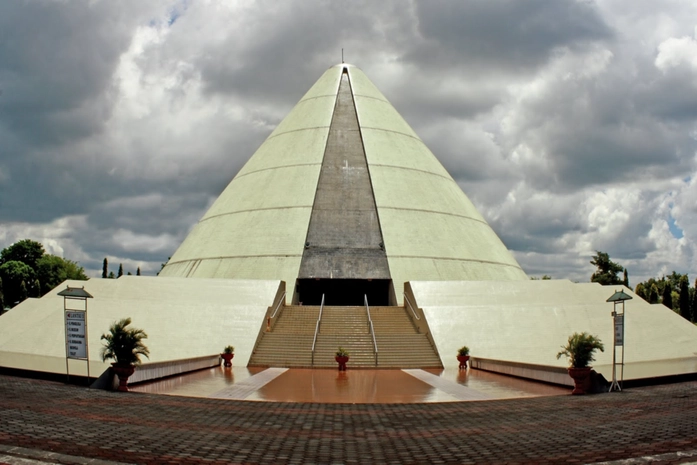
{"type": "Point", "coordinates": [371, 327]}
{"type": "Point", "coordinates": [314, 340]}
{"type": "Point", "coordinates": [280, 301]}
{"type": "Point", "coordinates": [278, 306]}
{"type": "Point", "coordinates": [406, 299]}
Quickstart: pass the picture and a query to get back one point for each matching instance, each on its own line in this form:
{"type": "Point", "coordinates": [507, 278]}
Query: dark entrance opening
{"type": "Point", "coordinates": [343, 292]}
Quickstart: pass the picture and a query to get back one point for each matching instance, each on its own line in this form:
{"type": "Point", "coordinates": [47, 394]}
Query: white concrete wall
{"type": "Point", "coordinates": [528, 322]}
{"type": "Point", "coordinates": [183, 318]}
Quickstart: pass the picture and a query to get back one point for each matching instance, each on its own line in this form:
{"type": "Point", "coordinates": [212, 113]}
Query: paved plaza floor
{"type": "Point", "coordinates": [42, 421]}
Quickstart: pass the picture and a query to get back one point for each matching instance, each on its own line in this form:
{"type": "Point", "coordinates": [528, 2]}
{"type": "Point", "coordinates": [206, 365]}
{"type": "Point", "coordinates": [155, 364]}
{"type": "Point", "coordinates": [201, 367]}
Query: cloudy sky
{"type": "Point", "coordinates": [571, 124]}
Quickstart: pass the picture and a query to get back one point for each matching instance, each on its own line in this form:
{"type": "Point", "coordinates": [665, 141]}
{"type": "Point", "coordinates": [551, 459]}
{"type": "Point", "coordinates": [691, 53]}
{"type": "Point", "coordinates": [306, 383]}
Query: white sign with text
{"type": "Point", "coordinates": [75, 334]}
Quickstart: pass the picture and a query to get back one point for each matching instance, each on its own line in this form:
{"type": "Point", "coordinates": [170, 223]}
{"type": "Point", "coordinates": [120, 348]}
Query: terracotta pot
{"type": "Point", "coordinates": [342, 362]}
{"type": "Point", "coordinates": [579, 376]}
{"type": "Point", "coordinates": [123, 371]}
{"type": "Point", "coordinates": [227, 358]}
{"type": "Point", "coordinates": [463, 359]}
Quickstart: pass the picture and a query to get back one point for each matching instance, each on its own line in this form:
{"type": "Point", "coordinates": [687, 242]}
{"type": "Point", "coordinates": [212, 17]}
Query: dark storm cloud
{"type": "Point", "coordinates": [56, 64]}
{"type": "Point", "coordinates": [284, 47]}
{"type": "Point", "coordinates": [505, 35]}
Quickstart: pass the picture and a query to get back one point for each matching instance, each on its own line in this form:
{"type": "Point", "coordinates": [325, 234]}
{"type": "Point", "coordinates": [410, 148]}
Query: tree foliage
{"type": "Point", "coordinates": [26, 270]}
{"type": "Point", "coordinates": [684, 299]}
{"type": "Point", "coordinates": [53, 270]}
{"type": "Point", "coordinates": [105, 268]}
{"type": "Point", "coordinates": [607, 270]}
{"type": "Point", "coordinates": [14, 275]}
{"type": "Point", "coordinates": [26, 251]}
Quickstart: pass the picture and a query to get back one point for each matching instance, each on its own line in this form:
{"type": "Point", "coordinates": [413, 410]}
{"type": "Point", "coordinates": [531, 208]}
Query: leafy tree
{"type": "Point", "coordinates": [13, 273]}
{"type": "Point", "coordinates": [129, 274]}
{"type": "Point", "coordinates": [625, 281]}
{"type": "Point", "coordinates": [684, 298]}
{"type": "Point", "coordinates": [667, 297]}
{"type": "Point", "coordinates": [138, 272]}
{"type": "Point", "coordinates": [120, 270]}
{"type": "Point", "coordinates": [52, 270]}
{"type": "Point", "coordinates": [2, 299]}
{"type": "Point", "coordinates": [25, 251]}
{"type": "Point", "coordinates": [640, 290]}
{"type": "Point", "coordinates": [105, 268]}
{"type": "Point", "coordinates": [607, 270]}
{"type": "Point", "coordinates": [111, 275]}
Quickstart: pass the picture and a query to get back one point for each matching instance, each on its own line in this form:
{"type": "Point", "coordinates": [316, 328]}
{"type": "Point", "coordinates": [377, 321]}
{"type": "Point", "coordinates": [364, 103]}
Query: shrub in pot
{"type": "Point", "coordinates": [125, 346]}
{"type": "Point", "coordinates": [580, 350]}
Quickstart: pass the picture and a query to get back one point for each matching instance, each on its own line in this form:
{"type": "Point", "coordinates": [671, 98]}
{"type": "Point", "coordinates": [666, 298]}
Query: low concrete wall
{"type": "Point", "coordinates": [547, 374]}
{"type": "Point", "coordinates": [150, 371]}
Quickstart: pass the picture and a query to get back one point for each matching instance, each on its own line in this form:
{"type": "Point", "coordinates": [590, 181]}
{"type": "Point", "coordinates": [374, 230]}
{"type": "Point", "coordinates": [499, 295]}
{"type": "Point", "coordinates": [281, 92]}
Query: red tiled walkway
{"type": "Point", "coordinates": [145, 428]}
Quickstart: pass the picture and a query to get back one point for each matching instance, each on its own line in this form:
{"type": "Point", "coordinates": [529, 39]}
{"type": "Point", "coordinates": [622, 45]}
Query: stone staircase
{"type": "Point", "coordinates": [399, 343]}
{"type": "Point", "coordinates": [290, 342]}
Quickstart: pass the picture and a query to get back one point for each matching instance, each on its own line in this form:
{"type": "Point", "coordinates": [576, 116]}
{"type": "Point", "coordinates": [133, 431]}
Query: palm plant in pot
{"type": "Point", "coordinates": [228, 353]}
{"type": "Point", "coordinates": [342, 356]}
{"type": "Point", "coordinates": [463, 356]}
{"type": "Point", "coordinates": [125, 346]}
{"type": "Point", "coordinates": [580, 350]}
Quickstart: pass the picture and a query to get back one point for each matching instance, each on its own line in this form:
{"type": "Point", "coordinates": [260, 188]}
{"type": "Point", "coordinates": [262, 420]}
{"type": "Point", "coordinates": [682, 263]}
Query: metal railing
{"type": "Point", "coordinates": [406, 299]}
{"type": "Point", "coordinates": [271, 317]}
{"type": "Point", "coordinates": [371, 327]}
{"type": "Point", "coordinates": [314, 340]}
{"type": "Point", "coordinates": [280, 301]}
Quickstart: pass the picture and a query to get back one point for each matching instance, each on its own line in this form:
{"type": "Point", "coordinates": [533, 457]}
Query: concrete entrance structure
{"type": "Point", "coordinates": [344, 200]}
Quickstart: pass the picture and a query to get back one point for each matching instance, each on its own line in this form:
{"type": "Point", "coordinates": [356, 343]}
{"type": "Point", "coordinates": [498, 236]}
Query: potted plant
{"type": "Point", "coordinates": [125, 346]}
{"type": "Point", "coordinates": [463, 356]}
{"type": "Point", "coordinates": [580, 350]}
{"type": "Point", "coordinates": [342, 356]}
{"type": "Point", "coordinates": [228, 353]}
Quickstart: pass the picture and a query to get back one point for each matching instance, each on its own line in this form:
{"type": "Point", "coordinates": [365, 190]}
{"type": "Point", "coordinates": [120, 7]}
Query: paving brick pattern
{"type": "Point", "coordinates": [144, 428]}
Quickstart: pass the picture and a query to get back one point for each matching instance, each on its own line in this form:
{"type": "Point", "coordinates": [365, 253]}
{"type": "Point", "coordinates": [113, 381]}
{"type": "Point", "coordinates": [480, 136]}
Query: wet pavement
{"type": "Point", "coordinates": [56, 423]}
{"type": "Point", "coordinates": [351, 386]}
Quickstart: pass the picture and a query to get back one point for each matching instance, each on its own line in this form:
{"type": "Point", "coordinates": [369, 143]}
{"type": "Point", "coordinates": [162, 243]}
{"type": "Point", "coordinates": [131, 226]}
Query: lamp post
{"type": "Point", "coordinates": [619, 297]}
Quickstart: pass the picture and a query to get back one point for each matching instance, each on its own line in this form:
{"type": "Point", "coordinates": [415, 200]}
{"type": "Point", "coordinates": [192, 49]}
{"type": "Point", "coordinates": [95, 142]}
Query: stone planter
{"type": "Point", "coordinates": [228, 359]}
{"type": "Point", "coordinates": [463, 359]}
{"type": "Point", "coordinates": [342, 362]}
{"type": "Point", "coordinates": [579, 375]}
{"type": "Point", "coordinates": [123, 371]}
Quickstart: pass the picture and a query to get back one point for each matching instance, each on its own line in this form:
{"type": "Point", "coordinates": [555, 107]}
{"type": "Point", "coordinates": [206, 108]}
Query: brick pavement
{"type": "Point", "coordinates": [77, 422]}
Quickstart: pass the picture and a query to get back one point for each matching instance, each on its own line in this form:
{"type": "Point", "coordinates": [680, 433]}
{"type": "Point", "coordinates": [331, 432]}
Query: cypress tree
{"type": "Point", "coordinates": [653, 294]}
{"type": "Point", "coordinates": [625, 281]}
{"type": "Point", "coordinates": [2, 299]}
{"type": "Point", "coordinates": [693, 306]}
{"type": "Point", "coordinates": [105, 268]}
{"type": "Point", "coordinates": [667, 296]}
{"type": "Point", "coordinates": [685, 298]}
{"type": "Point", "coordinates": [138, 272]}
{"type": "Point", "coordinates": [35, 290]}
{"type": "Point", "coordinates": [120, 270]}
{"type": "Point", "coordinates": [22, 291]}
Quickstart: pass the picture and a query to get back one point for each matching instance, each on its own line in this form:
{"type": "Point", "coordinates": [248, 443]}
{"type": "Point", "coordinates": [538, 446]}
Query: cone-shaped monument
{"type": "Point", "coordinates": [344, 199]}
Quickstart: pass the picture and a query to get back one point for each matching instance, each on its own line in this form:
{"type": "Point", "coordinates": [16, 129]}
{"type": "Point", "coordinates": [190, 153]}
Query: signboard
{"type": "Point", "coordinates": [619, 330]}
{"type": "Point", "coordinates": [75, 332]}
